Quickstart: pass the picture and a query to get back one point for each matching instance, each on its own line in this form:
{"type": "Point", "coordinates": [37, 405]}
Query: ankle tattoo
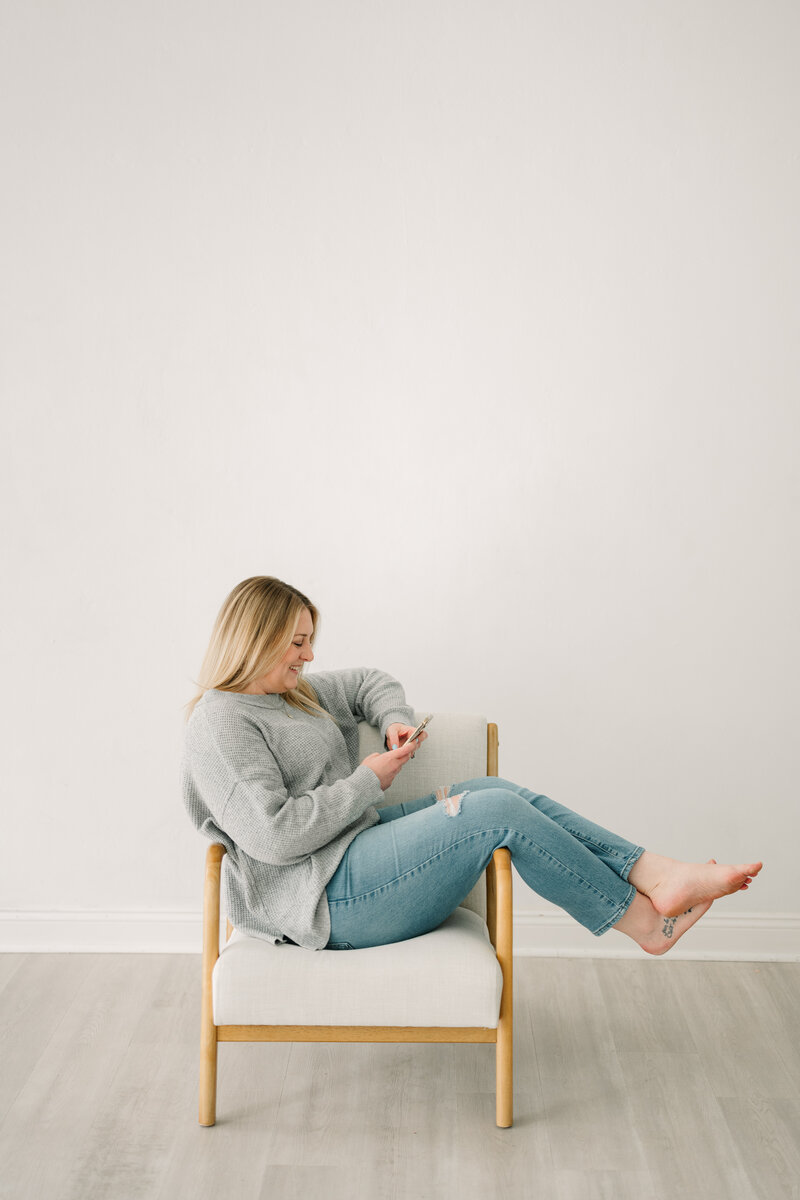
{"type": "Point", "coordinates": [670, 923]}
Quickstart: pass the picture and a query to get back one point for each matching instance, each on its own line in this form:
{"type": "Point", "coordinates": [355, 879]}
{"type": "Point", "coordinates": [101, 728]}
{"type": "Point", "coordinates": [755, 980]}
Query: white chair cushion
{"type": "Point", "coordinates": [454, 751]}
{"type": "Point", "coordinates": [449, 977]}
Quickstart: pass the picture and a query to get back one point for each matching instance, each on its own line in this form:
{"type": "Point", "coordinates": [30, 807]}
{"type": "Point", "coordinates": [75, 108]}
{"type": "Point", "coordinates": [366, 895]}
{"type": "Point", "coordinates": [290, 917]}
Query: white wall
{"type": "Point", "coordinates": [476, 321]}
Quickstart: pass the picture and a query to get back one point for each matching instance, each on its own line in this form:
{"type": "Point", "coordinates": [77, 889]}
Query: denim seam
{"type": "Point", "coordinates": [622, 908]}
{"type": "Point", "coordinates": [632, 859]}
{"type": "Point", "coordinates": [590, 841]}
{"type": "Point", "coordinates": [425, 863]}
{"type": "Point", "coordinates": [586, 838]}
{"type": "Point", "coordinates": [588, 886]}
{"type": "Point", "coordinates": [471, 837]}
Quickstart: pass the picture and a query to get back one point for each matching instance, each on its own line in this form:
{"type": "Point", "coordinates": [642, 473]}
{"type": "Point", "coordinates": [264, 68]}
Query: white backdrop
{"type": "Point", "coordinates": [478, 322]}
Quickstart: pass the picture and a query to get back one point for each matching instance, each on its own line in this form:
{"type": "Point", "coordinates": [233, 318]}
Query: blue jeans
{"type": "Point", "coordinates": [404, 876]}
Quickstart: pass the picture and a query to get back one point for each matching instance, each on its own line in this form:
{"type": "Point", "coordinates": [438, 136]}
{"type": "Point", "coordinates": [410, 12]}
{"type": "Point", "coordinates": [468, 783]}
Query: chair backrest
{"type": "Point", "coordinates": [454, 752]}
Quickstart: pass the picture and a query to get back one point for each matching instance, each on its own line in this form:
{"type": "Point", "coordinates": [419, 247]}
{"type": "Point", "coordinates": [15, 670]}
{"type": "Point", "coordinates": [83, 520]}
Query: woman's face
{"type": "Point", "coordinates": [284, 677]}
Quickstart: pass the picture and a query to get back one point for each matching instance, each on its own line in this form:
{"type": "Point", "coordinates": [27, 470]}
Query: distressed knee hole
{"type": "Point", "coordinates": [450, 804]}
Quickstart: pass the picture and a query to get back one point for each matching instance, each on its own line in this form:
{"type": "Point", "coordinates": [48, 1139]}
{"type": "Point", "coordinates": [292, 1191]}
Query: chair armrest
{"type": "Point", "coordinates": [499, 895]}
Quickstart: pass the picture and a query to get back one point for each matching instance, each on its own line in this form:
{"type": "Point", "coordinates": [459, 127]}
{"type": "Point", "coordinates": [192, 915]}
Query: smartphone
{"type": "Point", "coordinates": [419, 729]}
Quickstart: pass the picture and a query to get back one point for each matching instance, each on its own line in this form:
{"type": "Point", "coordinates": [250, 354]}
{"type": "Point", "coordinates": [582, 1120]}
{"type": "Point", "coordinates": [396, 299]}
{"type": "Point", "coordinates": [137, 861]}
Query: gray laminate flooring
{"type": "Point", "coordinates": [651, 1079]}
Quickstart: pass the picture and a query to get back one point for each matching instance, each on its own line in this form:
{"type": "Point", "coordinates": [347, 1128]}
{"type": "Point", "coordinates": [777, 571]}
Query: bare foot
{"type": "Point", "coordinates": [655, 933]}
{"type": "Point", "coordinates": [674, 887]}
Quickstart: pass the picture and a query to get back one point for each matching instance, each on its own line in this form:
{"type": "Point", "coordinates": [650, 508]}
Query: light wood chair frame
{"type": "Point", "coordinates": [499, 921]}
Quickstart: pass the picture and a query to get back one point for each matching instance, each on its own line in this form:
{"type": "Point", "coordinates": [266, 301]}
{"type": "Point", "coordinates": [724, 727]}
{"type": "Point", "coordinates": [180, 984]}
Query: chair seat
{"type": "Point", "coordinates": [449, 977]}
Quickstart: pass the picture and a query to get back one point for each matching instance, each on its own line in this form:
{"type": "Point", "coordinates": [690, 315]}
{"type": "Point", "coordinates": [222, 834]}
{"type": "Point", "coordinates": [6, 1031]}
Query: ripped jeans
{"type": "Point", "coordinates": [404, 876]}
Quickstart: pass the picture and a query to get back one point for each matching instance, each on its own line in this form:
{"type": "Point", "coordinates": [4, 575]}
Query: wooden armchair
{"type": "Point", "coordinates": [254, 991]}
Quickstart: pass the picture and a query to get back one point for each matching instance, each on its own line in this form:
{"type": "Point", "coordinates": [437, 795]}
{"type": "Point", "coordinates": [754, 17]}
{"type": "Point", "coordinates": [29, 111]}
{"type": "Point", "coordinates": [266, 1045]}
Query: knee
{"type": "Point", "coordinates": [498, 803]}
{"type": "Point", "coordinates": [471, 785]}
{"type": "Point", "coordinates": [486, 783]}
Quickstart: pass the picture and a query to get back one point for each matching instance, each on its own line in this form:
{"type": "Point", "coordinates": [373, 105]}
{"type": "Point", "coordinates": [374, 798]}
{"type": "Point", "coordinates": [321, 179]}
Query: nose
{"type": "Point", "coordinates": [307, 654]}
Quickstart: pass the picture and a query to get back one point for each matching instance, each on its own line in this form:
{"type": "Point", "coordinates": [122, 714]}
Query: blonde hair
{"type": "Point", "coordinates": [252, 632]}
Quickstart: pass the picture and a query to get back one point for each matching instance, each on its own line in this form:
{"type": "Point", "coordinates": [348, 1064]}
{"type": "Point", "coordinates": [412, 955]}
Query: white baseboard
{"type": "Point", "coordinates": [87, 931]}
{"type": "Point", "coordinates": [759, 937]}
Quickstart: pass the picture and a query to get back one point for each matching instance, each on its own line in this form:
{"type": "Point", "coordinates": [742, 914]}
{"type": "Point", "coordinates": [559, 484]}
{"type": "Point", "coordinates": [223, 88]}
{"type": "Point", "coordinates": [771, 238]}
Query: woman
{"type": "Point", "coordinates": [271, 770]}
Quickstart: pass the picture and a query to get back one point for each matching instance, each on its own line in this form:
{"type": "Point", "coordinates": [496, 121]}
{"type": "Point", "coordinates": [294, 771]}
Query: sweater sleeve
{"type": "Point", "coordinates": [255, 809]}
{"type": "Point", "coordinates": [369, 694]}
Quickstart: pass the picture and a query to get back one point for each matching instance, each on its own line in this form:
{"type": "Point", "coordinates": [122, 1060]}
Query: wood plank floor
{"type": "Point", "coordinates": [654, 1079]}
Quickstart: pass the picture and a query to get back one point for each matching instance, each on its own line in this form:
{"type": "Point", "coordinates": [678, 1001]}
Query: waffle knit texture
{"type": "Point", "coordinates": [285, 793]}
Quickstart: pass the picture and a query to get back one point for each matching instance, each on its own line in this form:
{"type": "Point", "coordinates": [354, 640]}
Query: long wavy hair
{"type": "Point", "coordinates": [252, 632]}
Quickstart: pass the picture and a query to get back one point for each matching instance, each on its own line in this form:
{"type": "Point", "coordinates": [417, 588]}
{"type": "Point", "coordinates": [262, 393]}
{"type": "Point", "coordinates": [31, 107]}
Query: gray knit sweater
{"type": "Point", "coordinates": [285, 794]}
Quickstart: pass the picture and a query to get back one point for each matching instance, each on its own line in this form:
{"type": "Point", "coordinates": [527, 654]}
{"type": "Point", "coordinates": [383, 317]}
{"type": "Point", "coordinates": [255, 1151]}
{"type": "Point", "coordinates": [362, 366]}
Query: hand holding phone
{"type": "Point", "coordinates": [387, 766]}
{"type": "Point", "coordinates": [412, 736]}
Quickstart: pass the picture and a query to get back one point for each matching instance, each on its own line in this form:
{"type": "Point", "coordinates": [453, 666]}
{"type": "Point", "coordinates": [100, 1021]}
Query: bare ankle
{"type": "Point", "coordinates": [648, 870]}
{"type": "Point", "coordinates": [651, 930]}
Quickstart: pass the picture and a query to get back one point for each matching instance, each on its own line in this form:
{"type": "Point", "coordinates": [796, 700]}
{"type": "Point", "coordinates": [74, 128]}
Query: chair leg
{"type": "Point", "coordinates": [504, 947]}
{"type": "Point", "coordinates": [208, 1030]}
{"type": "Point", "coordinates": [208, 1075]}
{"type": "Point", "coordinates": [505, 1076]}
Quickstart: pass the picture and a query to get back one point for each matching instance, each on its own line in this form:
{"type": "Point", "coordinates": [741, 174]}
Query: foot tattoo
{"type": "Point", "coordinates": [671, 922]}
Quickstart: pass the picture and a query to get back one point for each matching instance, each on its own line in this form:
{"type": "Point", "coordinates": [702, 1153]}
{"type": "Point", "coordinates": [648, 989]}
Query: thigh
{"type": "Point", "coordinates": [404, 877]}
{"type": "Point", "coordinates": [391, 812]}
{"type": "Point", "coordinates": [394, 849]}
